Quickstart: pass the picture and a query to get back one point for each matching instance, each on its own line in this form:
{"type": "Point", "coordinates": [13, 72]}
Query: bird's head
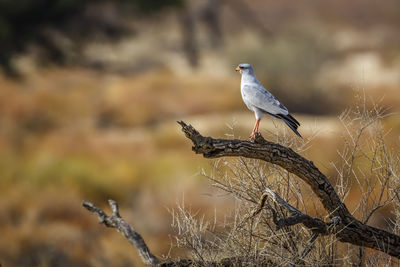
{"type": "Point", "coordinates": [244, 68]}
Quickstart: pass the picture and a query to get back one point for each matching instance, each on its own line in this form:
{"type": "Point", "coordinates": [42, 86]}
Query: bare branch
{"type": "Point", "coordinates": [350, 229]}
{"type": "Point", "coordinates": [115, 221]}
{"type": "Point", "coordinates": [317, 226]}
{"type": "Point", "coordinates": [314, 224]}
{"type": "Point", "coordinates": [310, 245]}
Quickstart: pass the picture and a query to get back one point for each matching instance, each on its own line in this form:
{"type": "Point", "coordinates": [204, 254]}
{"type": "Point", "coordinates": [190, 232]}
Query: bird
{"type": "Point", "coordinates": [262, 102]}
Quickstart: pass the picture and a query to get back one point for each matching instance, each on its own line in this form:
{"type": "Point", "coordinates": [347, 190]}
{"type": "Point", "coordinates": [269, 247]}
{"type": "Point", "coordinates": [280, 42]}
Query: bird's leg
{"type": "Point", "coordinates": [255, 130]}
{"type": "Point", "coordinates": [257, 125]}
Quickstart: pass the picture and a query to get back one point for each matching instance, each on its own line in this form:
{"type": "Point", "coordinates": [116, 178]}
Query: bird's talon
{"type": "Point", "coordinates": [252, 137]}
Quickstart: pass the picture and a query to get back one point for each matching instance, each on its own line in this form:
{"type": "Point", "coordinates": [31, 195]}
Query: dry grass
{"type": "Point", "coordinates": [254, 240]}
{"type": "Point", "coordinates": [367, 176]}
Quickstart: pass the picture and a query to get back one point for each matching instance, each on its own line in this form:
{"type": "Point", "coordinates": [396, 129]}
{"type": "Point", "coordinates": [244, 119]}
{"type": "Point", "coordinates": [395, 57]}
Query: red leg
{"type": "Point", "coordinates": [257, 125]}
{"type": "Point", "coordinates": [255, 130]}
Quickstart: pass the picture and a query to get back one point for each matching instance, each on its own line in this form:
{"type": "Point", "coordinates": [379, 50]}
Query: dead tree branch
{"type": "Point", "coordinates": [116, 221]}
{"type": "Point", "coordinates": [317, 226]}
{"type": "Point", "coordinates": [314, 224]}
{"type": "Point", "coordinates": [349, 229]}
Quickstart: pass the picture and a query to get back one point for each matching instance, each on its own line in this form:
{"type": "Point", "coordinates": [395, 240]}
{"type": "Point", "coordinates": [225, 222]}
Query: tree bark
{"type": "Point", "coordinates": [349, 229]}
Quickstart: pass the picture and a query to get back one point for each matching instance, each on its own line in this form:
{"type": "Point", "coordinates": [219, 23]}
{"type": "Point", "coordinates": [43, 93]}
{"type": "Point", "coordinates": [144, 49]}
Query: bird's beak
{"type": "Point", "coordinates": [238, 69]}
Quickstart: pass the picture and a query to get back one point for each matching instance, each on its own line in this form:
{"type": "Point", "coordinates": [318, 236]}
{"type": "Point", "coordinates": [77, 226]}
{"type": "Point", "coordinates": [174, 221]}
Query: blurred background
{"type": "Point", "coordinates": [90, 92]}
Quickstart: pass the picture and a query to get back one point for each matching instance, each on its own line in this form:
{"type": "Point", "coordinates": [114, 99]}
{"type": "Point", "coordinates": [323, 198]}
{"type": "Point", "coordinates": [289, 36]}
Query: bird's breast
{"type": "Point", "coordinates": [246, 98]}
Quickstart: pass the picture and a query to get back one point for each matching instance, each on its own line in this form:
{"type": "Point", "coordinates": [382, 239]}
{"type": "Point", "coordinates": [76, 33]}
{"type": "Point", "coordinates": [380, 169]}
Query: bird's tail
{"type": "Point", "coordinates": [291, 122]}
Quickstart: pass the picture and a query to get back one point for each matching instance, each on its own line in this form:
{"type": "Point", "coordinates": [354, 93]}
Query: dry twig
{"type": "Point", "coordinates": [116, 221]}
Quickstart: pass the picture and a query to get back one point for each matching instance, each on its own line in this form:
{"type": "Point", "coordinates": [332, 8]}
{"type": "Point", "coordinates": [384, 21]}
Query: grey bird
{"type": "Point", "coordinates": [261, 102]}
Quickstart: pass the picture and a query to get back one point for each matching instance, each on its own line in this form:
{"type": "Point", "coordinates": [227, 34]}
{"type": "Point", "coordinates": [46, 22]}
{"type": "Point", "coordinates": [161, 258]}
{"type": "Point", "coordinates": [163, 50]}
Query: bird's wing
{"type": "Point", "coordinates": [259, 97]}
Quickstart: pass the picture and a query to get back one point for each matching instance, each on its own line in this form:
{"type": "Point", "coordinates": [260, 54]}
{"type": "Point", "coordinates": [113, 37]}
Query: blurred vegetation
{"type": "Point", "coordinates": [45, 23]}
{"type": "Point", "coordinates": [104, 82]}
